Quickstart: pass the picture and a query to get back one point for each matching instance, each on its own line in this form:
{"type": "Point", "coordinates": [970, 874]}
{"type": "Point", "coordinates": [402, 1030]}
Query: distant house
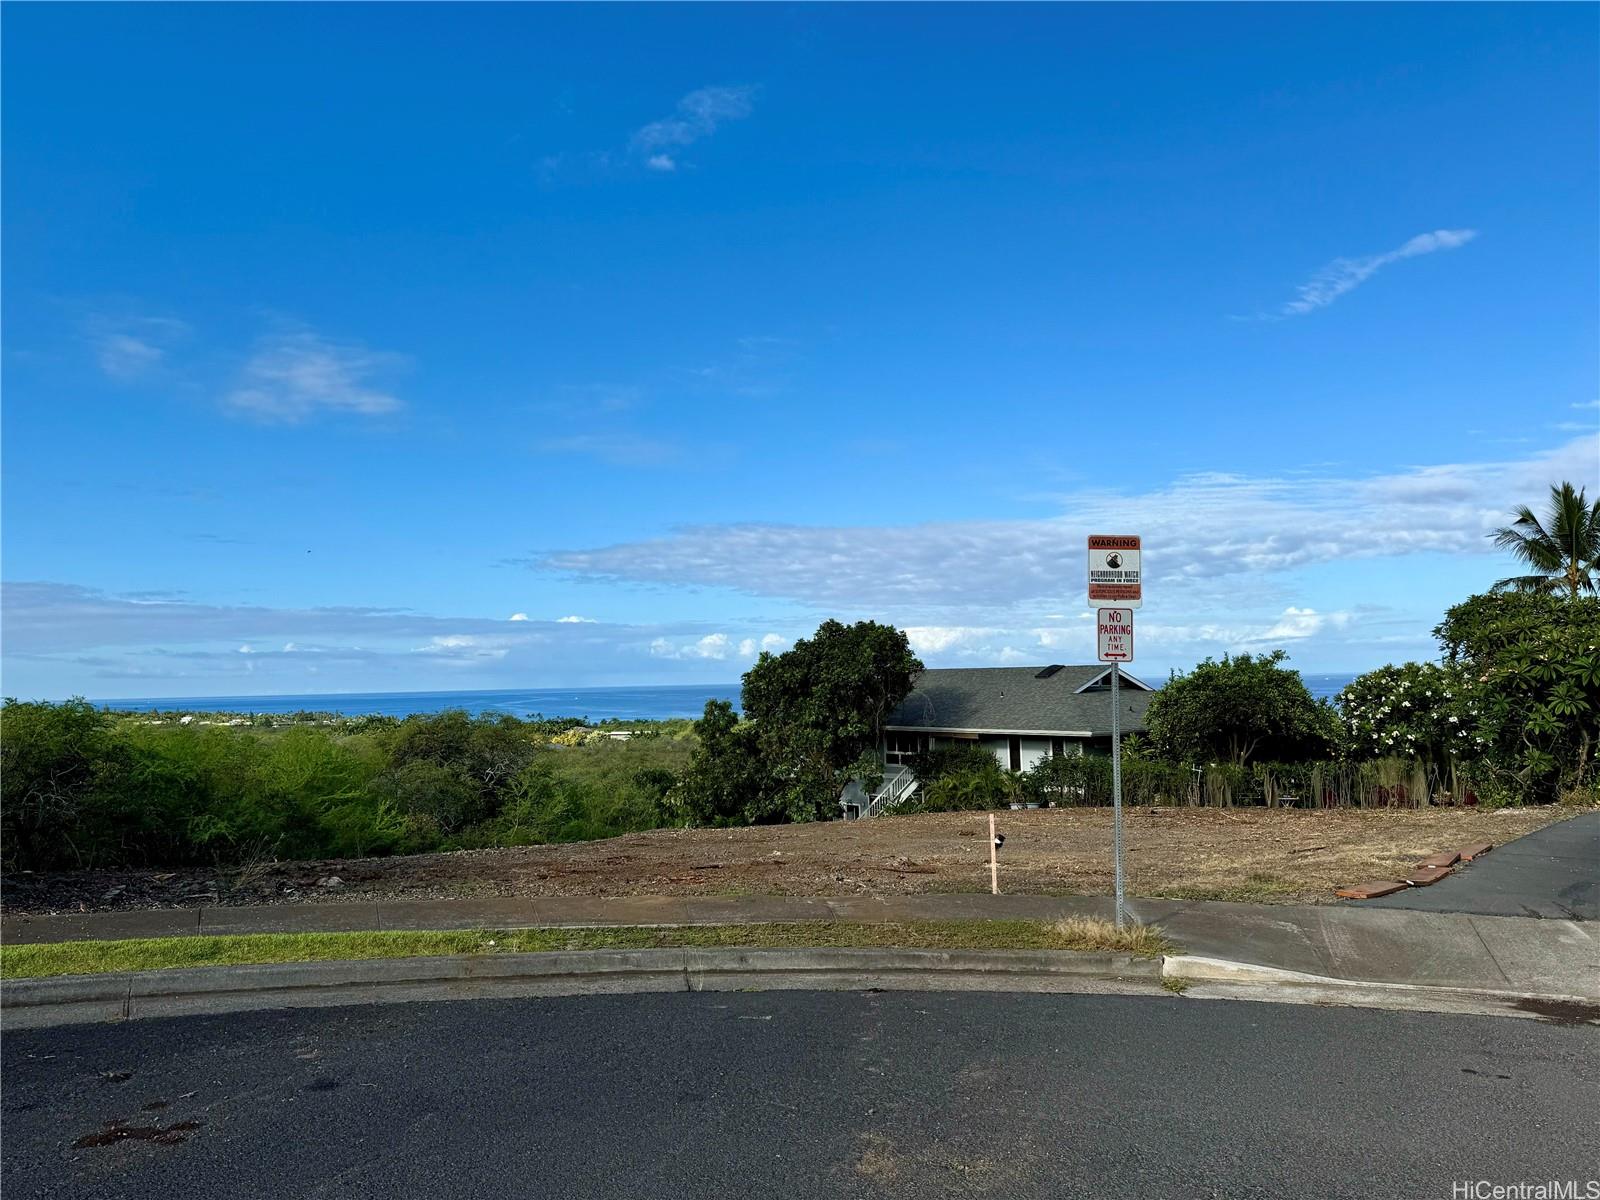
{"type": "Point", "coordinates": [1018, 714]}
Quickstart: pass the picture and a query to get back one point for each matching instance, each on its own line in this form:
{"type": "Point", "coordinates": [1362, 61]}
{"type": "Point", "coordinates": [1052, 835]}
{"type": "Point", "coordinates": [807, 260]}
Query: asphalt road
{"type": "Point", "coordinates": [802, 1095]}
{"type": "Point", "coordinates": [1551, 872]}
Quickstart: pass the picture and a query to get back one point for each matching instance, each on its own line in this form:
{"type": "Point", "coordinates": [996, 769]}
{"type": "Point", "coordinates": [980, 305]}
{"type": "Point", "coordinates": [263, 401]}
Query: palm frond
{"type": "Point", "coordinates": [1527, 583]}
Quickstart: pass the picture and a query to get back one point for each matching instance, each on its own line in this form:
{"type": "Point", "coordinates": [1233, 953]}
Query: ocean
{"type": "Point", "coordinates": [1325, 687]}
{"type": "Point", "coordinates": [594, 704]}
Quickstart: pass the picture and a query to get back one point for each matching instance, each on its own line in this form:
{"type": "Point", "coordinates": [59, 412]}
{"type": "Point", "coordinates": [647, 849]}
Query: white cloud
{"type": "Point", "coordinates": [575, 620]}
{"type": "Point", "coordinates": [1170, 639]}
{"type": "Point", "coordinates": [1346, 274]}
{"type": "Point", "coordinates": [1199, 532]}
{"type": "Point", "coordinates": [711, 646]}
{"type": "Point", "coordinates": [517, 617]}
{"type": "Point", "coordinates": [129, 347]}
{"type": "Point", "coordinates": [298, 374]}
{"type": "Point", "coordinates": [60, 639]}
{"type": "Point", "coordinates": [123, 356]}
{"type": "Point", "coordinates": [465, 648]}
{"type": "Point", "coordinates": [936, 639]}
{"type": "Point", "coordinates": [1298, 623]}
{"type": "Point", "coordinates": [698, 115]}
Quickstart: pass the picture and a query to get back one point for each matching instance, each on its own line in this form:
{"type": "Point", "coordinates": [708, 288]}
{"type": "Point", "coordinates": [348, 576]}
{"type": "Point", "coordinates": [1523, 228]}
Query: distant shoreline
{"type": "Point", "coordinates": [657, 702]}
{"type": "Point", "coordinates": [650, 703]}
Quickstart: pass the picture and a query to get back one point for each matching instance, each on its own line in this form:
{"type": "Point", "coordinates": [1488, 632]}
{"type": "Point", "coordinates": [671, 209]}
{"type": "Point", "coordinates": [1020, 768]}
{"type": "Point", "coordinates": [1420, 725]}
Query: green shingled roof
{"type": "Point", "coordinates": [1016, 700]}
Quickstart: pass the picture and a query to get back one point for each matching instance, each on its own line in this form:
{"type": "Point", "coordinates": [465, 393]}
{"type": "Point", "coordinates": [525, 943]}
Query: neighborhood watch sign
{"type": "Point", "coordinates": [1114, 570]}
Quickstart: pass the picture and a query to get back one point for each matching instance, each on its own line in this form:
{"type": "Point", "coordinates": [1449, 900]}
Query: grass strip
{"type": "Point", "coordinates": [150, 954]}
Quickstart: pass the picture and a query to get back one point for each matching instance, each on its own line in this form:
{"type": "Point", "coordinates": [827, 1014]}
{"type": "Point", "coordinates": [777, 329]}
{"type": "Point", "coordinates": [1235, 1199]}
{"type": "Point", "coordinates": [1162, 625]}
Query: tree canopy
{"type": "Point", "coordinates": [812, 719]}
{"type": "Point", "coordinates": [1245, 708]}
{"type": "Point", "coordinates": [1532, 663]}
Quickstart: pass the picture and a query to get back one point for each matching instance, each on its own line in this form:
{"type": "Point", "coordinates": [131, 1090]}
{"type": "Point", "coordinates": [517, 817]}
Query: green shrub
{"type": "Point", "coordinates": [938, 761]}
{"type": "Point", "coordinates": [972, 788]}
{"type": "Point", "coordinates": [85, 788]}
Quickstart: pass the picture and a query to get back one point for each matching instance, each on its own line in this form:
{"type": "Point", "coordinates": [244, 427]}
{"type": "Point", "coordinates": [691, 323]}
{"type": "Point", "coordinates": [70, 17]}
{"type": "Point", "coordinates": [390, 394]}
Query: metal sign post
{"type": "Point", "coordinates": [1116, 781]}
{"type": "Point", "coordinates": [1116, 574]}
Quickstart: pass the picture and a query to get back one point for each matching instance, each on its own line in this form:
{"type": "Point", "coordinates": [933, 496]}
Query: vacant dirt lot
{"type": "Point", "coordinates": [1242, 854]}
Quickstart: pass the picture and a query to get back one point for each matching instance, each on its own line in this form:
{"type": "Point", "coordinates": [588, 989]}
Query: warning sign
{"type": "Point", "coordinates": [1114, 570]}
{"type": "Point", "coordinates": [1116, 634]}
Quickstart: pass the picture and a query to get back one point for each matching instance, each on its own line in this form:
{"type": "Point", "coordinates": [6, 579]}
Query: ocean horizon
{"type": "Point", "coordinates": [656, 703]}
{"type": "Point", "coordinates": [661, 702]}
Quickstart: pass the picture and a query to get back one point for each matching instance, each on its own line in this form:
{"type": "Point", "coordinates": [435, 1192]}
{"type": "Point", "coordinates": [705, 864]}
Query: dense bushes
{"type": "Point", "coordinates": [967, 777]}
{"type": "Point", "coordinates": [86, 788]}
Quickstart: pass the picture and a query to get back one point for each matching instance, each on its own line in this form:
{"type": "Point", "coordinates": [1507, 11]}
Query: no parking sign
{"type": "Point", "coordinates": [1116, 634]}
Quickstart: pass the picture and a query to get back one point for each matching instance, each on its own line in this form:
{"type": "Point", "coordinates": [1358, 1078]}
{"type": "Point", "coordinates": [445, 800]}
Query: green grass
{"type": "Point", "coordinates": [150, 954]}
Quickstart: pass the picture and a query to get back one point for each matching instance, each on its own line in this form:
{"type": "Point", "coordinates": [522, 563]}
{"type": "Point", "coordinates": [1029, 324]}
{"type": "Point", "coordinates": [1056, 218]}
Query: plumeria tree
{"type": "Point", "coordinates": [1414, 710]}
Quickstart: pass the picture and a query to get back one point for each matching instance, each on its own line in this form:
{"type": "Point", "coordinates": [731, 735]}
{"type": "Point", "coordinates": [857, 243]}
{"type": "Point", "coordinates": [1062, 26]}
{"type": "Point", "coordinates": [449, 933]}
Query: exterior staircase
{"type": "Point", "coordinates": [899, 785]}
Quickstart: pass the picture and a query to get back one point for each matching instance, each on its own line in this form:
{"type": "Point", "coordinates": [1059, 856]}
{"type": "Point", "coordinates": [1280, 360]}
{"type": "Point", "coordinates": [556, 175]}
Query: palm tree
{"type": "Point", "coordinates": [1563, 550]}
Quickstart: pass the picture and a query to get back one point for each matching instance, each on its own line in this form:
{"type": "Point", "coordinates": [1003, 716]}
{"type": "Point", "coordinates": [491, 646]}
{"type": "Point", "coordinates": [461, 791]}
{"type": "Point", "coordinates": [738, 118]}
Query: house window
{"type": "Point", "coordinates": [900, 748]}
{"type": "Point", "coordinates": [1016, 754]}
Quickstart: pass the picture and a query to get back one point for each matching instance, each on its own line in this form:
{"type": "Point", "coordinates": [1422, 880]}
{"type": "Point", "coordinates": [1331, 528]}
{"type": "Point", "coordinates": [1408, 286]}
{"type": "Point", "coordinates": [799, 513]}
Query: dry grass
{"type": "Point", "coordinates": [1096, 933]}
{"type": "Point", "coordinates": [1255, 854]}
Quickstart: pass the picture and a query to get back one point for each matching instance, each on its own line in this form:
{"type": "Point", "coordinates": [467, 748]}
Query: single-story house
{"type": "Point", "coordinates": [1019, 714]}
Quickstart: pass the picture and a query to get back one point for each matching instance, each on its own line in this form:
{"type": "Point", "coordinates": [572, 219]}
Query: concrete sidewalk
{"type": "Point", "coordinates": [1358, 944]}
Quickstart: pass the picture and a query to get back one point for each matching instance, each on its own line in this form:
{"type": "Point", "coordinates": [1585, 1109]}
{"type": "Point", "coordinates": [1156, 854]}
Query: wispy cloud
{"type": "Point", "coordinates": [130, 347]}
{"type": "Point", "coordinates": [62, 635]}
{"type": "Point", "coordinates": [1346, 274]}
{"type": "Point", "coordinates": [719, 647]}
{"type": "Point", "coordinates": [697, 116]}
{"type": "Point", "coordinates": [297, 374]}
{"type": "Point", "coordinates": [1201, 530]}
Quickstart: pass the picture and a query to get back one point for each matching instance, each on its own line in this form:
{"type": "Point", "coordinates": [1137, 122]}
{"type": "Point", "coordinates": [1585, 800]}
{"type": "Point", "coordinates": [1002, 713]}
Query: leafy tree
{"type": "Point", "coordinates": [1416, 710]}
{"type": "Point", "coordinates": [1242, 708]}
{"type": "Point", "coordinates": [726, 781]}
{"type": "Point", "coordinates": [1531, 663]}
{"type": "Point", "coordinates": [818, 711]}
{"type": "Point", "coordinates": [1563, 550]}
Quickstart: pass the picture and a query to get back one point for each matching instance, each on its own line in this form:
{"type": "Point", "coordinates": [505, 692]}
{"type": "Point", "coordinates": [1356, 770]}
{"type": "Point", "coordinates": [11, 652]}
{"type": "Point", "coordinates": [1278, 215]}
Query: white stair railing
{"type": "Point", "coordinates": [896, 789]}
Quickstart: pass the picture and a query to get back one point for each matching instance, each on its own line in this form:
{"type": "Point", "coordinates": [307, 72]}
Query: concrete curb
{"type": "Point", "coordinates": [1220, 978]}
{"type": "Point", "coordinates": [76, 999]}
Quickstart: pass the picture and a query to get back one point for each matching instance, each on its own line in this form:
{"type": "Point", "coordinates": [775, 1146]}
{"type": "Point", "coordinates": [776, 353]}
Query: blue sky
{"type": "Point", "coordinates": [423, 347]}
